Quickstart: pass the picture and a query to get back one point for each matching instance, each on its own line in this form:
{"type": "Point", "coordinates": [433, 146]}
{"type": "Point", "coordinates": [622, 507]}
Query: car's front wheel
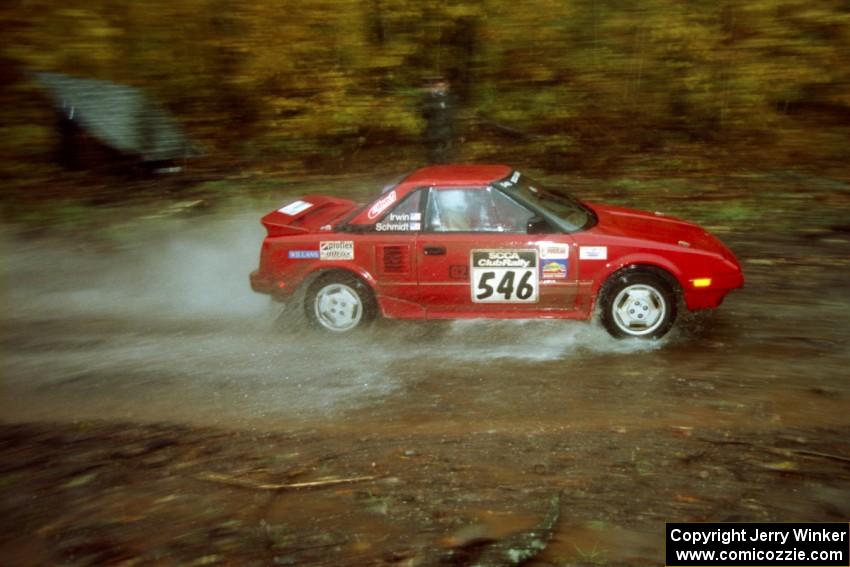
{"type": "Point", "coordinates": [638, 303]}
{"type": "Point", "coordinates": [339, 303]}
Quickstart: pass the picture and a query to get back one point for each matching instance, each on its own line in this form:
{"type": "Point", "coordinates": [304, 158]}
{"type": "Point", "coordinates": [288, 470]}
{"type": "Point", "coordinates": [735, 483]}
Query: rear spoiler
{"type": "Point", "coordinates": [305, 215]}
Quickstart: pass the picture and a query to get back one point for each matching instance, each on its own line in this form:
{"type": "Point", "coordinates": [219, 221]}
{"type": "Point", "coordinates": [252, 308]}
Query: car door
{"type": "Point", "coordinates": [475, 257]}
{"type": "Point", "coordinates": [391, 241]}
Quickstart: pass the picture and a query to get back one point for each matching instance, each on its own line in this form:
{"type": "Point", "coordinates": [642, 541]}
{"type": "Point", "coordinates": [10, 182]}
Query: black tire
{"type": "Point", "coordinates": [638, 303]}
{"type": "Point", "coordinates": [339, 303]}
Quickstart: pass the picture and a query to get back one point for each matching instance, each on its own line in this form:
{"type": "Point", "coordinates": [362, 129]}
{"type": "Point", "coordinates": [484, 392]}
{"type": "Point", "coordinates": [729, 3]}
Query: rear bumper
{"type": "Point", "coordinates": [261, 284]}
{"type": "Point", "coordinates": [279, 288]}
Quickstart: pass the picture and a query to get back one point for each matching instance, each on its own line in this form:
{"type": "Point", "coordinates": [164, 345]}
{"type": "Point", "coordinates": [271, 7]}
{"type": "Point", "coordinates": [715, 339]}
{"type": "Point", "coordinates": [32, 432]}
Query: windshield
{"type": "Point", "coordinates": [559, 207]}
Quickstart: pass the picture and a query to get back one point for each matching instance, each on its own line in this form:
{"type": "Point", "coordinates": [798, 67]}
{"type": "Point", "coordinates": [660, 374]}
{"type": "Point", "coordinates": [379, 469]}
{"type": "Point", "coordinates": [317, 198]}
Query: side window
{"type": "Point", "coordinates": [404, 217]}
{"type": "Point", "coordinates": [512, 216]}
{"type": "Point", "coordinates": [475, 210]}
{"type": "Point", "coordinates": [449, 210]}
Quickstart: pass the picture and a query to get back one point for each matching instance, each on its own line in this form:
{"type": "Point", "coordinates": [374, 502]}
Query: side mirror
{"type": "Point", "coordinates": [537, 225]}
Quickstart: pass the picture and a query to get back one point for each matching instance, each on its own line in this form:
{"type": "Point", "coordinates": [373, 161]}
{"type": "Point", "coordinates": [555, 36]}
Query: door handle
{"type": "Point", "coordinates": [435, 250]}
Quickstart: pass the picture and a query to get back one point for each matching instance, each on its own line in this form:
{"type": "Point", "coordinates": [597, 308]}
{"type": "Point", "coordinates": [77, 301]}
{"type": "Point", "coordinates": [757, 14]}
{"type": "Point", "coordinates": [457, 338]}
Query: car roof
{"type": "Point", "coordinates": [464, 175]}
{"type": "Point", "coordinates": [467, 176]}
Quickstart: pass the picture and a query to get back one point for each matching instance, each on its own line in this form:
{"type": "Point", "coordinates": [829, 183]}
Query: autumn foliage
{"type": "Point", "coordinates": [565, 83]}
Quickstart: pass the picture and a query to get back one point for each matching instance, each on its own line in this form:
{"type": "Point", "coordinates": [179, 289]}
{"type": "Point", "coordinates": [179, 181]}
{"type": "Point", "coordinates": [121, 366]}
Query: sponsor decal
{"type": "Point", "coordinates": [336, 250]}
{"type": "Point", "coordinates": [458, 272]}
{"type": "Point", "coordinates": [554, 260]}
{"type": "Point", "coordinates": [382, 204]}
{"type": "Point", "coordinates": [512, 181]}
{"type": "Point", "coordinates": [503, 258]}
{"type": "Point", "coordinates": [303, 254]}
{"type": "Point", "coordinates": [295, 207]}
{"type": "Point", "coordinates": [593, 253]}
{"type": "Point", "coordinates": [504, 276]}
{"type": "Point", "coordinates": [554, 268]}
{"type": "Point", "coordinates": [555, 251]}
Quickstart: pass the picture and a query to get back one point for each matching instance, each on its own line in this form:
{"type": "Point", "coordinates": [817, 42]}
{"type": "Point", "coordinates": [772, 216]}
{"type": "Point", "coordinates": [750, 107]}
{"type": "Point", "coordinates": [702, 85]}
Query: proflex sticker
{"type": "Point", "coordinates": [336, 250]}
{"type": "Point", "coordinates": [593, 253]}
{"type": "Point", "coordinates": [295, 207]}
{"type": "Point", "coordinates": [504, 276]}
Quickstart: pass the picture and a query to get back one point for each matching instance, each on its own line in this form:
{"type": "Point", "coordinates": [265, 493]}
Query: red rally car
{"type": "Point", "coordinates": [473, 241]}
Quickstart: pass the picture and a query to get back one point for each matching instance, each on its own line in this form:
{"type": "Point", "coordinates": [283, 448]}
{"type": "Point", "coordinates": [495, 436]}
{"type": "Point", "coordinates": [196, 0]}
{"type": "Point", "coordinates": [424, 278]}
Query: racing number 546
{"type": "Point", "coordinates": [507, 287]}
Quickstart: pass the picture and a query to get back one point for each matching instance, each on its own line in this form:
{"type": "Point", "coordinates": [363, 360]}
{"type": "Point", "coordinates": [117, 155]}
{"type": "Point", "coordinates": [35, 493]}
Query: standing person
{"type": "Point", "coordinates": [438, 109]}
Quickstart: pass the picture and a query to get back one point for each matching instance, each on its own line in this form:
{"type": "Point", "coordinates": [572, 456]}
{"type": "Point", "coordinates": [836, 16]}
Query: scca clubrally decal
{"type": "Point", "coordinates": [504, 276]}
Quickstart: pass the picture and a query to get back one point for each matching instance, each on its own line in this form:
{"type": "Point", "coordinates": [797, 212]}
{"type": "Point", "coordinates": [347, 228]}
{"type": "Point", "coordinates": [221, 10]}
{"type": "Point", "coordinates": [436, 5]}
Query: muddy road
{"type": "Point", "coordinates": [469, 428]}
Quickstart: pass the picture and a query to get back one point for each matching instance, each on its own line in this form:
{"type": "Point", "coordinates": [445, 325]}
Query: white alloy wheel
{"type": "Point", "coordinates": [338, 307]}
{"type": "Point", "coordinates": [639, 309]}
{"type": "Point", "coordinates": [638, 302]}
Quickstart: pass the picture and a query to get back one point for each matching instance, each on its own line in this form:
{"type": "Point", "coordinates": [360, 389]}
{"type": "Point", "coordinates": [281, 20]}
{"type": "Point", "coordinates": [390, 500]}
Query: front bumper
{"type": "Point", "coordinates": [711, 297]}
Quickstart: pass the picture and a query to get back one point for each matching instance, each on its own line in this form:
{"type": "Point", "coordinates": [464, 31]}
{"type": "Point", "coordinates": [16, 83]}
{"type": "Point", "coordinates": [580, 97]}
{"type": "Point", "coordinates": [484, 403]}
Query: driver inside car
{"type": "Point", "coordinates": [451, 211]}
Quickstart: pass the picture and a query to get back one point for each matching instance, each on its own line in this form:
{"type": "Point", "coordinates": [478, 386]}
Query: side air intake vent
{"type": "Point", "coordinates": [396, 259]}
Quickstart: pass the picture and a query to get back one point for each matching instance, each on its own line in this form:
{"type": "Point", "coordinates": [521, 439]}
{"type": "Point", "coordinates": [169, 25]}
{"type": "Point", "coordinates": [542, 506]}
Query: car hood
{"type": "Point", "coordinates": [654, 227]}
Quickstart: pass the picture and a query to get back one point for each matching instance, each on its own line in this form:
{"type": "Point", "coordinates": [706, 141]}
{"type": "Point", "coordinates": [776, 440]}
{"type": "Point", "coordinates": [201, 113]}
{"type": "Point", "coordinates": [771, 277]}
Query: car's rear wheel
{"type": "Point", "coordinates": [638, 303]}
{"type": "Point", "coordinates": [339, 303]}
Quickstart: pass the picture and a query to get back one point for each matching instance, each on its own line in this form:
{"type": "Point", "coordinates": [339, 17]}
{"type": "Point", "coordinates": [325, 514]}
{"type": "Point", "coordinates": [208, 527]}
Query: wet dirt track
{"type": "Point", "coordinates": [169, 330]}
{"type": "Point", "coordinates": [469, 426]}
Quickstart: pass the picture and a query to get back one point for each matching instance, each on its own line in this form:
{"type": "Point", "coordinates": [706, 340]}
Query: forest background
{"type": "Point", "coordinates": [333, 85]}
